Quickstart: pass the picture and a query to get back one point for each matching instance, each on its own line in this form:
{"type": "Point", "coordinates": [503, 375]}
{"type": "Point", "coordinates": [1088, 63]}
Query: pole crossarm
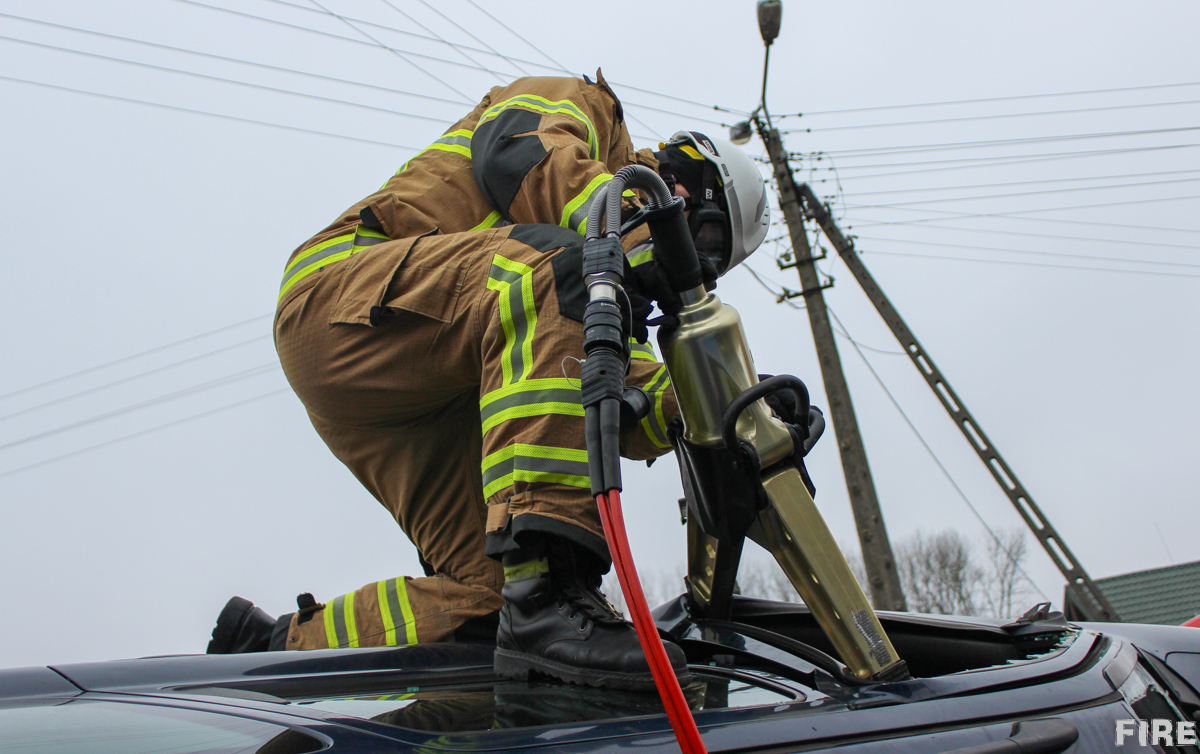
{"type": "Point", "coordinates": [1099, 607]}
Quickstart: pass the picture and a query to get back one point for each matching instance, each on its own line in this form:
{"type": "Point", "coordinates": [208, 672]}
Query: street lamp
{"type": "Point", "coordinates": [770, 18]}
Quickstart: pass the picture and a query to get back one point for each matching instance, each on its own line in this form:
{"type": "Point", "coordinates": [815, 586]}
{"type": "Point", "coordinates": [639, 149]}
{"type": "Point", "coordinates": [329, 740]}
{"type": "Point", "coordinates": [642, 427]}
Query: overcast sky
{"type": "Point", "coordinates": [1061, 303]}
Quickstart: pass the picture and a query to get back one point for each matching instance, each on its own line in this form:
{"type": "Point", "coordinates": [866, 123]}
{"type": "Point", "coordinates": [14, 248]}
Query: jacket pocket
{"type": "Point", "coordinates": [381, 281]}
{"type": "Point", "coordinates": [366, 278]}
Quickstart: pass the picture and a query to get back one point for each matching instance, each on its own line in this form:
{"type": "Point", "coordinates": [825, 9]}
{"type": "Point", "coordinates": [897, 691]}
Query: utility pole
{"type": "Point", "coordinates": [1090, 600]}
{"type": "Point", "coordinates": [799, 202]}
{"type": "Point", "coordinates": [882, 577]}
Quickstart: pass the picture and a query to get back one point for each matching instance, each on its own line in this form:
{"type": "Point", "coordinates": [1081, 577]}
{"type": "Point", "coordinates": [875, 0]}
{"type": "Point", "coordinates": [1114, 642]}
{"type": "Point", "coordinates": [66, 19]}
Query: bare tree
{"type": "Point", "coordinates": [941, 573]}
{"type": "Point", "coordinates": [767, 580]}
{"type": "Point", "coordinates": [938, 573]}
{"type": "Point", "coordinates": [658, 586]}
{"type": "Point", "coordinates": [1007, 587]}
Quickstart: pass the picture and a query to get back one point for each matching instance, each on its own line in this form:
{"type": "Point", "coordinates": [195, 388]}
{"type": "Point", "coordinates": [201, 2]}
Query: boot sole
{"type": "Point", "coordinates": [519, 665]}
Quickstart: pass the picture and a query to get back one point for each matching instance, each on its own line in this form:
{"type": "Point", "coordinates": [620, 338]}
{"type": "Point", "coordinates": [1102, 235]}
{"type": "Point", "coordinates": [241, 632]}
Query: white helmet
{"type": "Point", "coordinates": [744, 200]}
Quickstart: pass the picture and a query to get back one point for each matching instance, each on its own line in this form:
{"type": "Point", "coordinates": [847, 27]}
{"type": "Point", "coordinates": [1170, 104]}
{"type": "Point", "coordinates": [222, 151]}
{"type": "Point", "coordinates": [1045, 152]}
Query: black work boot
{"type": "Point", "coordinates": [242, 627]}
{"type": "Point", "coordinates": [563, 627]}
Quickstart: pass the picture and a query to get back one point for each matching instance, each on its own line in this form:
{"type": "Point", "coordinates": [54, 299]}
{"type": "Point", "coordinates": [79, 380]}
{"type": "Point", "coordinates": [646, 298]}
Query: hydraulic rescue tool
{"type": "Point", "coordinates": [742, 466]}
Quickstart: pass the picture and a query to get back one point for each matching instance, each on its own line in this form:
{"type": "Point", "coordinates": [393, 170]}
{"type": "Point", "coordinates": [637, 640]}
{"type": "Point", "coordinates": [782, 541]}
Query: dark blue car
{"type": "Point", "coordinates": [763, 681]}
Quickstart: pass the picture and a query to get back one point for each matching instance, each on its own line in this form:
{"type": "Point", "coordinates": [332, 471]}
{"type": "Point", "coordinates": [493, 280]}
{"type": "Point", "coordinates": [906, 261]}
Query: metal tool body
{"type": "Point", "coordinates": [756, 489]}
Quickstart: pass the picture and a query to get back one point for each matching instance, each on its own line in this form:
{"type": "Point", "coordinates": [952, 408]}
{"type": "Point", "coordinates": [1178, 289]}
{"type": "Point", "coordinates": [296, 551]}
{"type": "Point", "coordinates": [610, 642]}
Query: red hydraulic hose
{"type": "Point", "coordinates": [678, 712]}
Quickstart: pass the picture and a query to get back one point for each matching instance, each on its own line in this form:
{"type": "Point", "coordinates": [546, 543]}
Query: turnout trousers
{"type": "Point", "coordinates": [439, 371]}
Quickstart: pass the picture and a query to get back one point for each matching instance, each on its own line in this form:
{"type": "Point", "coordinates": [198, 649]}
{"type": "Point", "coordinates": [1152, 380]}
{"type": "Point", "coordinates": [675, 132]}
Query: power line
{"type": "Point", "coordinates": [902, 205]}
{"type": "Point", "coordinates": [907, 149]}
{"type": "Point", "coordinates": [131, 378]}
{"type": "Point", "coordinates": [205, 112]}
{"type": "Point", "coordinates": [478, 65]}
{"type": "Point", "coordinates": [232, 60]}
{"type": "Point", "coordinates": [220, 79]}
{"type": "Point", "coordinates": [836, 326]}
{"type": "Point", "coordinates": [929, 449]}
{"type": "Point", "coordinates": [1031, 252]}
{"type": "Point", "coordinates": [1050, 236]}
{"type": "Point", "coordinates": [555, 64]}
{"type": "Point", "coordinates": [1037, 182]}
{"type": "Point", "coordinates": [1136, 184]}
{"type": "Point", "coordinates": [781, 296]}
{"type": "Point", "coordinates": [219, 382]}
{"type": "Point", "coordinates": [439, 37]}
{"type": "Point", "coordinates": [374, 43]}
{"type": "Point", "coordinates": [404, 32]}
{"type": "Point", "coordinates": [1030, 264]}
{"type": "Point", "coordinates": [458, 26]}
{"type": "Point", "coordinates": [399, 54]}
{"type": "Point", "coordinates": [348, 82]}
{"type": "Point", "coordinates": [177, 422]}
{"type": "Point", "coordinates": [509, 29]}
{"type": "Point", "coordinates": [993, 161]}
{"type": "Point", "coordinates": [964, 119]}
{"type": "Point", "coordinates": [995, 99]}
{"type": "Point", "coordinates": [131, 357]}
{"type": "Point", "coordinates": [1015, 216]}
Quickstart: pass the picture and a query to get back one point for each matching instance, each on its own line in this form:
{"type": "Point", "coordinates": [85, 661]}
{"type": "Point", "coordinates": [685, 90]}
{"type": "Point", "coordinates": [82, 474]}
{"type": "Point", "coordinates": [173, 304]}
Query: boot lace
{"type": "Point", "coordinates": [590, 603]}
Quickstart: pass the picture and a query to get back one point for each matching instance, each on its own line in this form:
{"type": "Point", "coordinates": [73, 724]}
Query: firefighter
{"type": "Point", "coordinates": [429, 332]}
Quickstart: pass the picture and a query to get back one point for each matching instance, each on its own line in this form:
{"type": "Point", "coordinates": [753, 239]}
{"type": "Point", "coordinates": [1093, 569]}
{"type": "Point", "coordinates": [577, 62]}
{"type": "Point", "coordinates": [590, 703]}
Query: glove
{"type": "Point", "coordinates": [809, 428]}
{"type": "Point", "coordinates": [641, 309]}
{"type": "Point", "coordinates": [651, 282]}
{"type": "Point", "coordinates": [783, 403]}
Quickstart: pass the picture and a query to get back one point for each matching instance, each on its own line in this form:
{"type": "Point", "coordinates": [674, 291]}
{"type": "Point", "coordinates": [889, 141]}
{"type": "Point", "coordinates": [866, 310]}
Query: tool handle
{"type": "Point", "coordinates": [758, 392]}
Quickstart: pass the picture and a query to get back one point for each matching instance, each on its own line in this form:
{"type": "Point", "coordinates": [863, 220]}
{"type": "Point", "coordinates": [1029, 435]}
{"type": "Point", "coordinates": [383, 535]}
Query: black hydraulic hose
{"type": "Point", "coordinates": [758, 392]}
{"type": "Point", "coordinates": [673, 245]}
{"type": "Point", "coordinates": [604, 206]}
{"type": "Point", "coordinates": [632, 176]}
{"type": "Point", "coordinates": [610, 442]}
{"type": "Point", "coordinates": [816, 428]}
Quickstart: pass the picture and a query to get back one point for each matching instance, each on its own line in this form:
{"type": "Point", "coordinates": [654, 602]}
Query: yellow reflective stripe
{"type": "Point", "coordinates": [393, 599]}
{"type": "Point", "coordinates": [524, 412]}
{"type": "Point", "coordinates": [655, 423]}
{"type": "Point", "coordinates": [313, 268]}
{"type": "Point", "coordinates": [575, 213]}
{"type": "Point", "coordinates": [487, 222]}
{"type": "Point", "coordinates": [534, 463]}
{"type": "Point", "coordinates": [690, 151]}
{"type": "Point", "coordinates": [363, 231]}
{"type": "Point", "coordinates": [410, 621]}
{"type": "Point", "coordinates": [518, 315]}
{"type": "Point", "coordinates": [541, 383]}
{"type": "Point", "coordinates": [389, 625]}
{"type": "Point", "coordinates": [327, 252]}
{"type": "Point", "coordinates": [330, 630]}
{"type": "Point", "coordinates": [529, 398]}
{"type": "Point", "coordinates": [543, 105]}
{"type": "Point", "coordinates": [642, 257]}
{"type": "Point", "coordinates": [348, 615]}
{"type": "Point", "coordinates": [642, 351]}
{"type": "Point", "coordinates": [316, 250]}
{"type": "Point", "coordinates": [450, 142]}
{"type": "Point", "coordinates": [530, 569]}
{"type": "Point", "coordinates": [456, 148]}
